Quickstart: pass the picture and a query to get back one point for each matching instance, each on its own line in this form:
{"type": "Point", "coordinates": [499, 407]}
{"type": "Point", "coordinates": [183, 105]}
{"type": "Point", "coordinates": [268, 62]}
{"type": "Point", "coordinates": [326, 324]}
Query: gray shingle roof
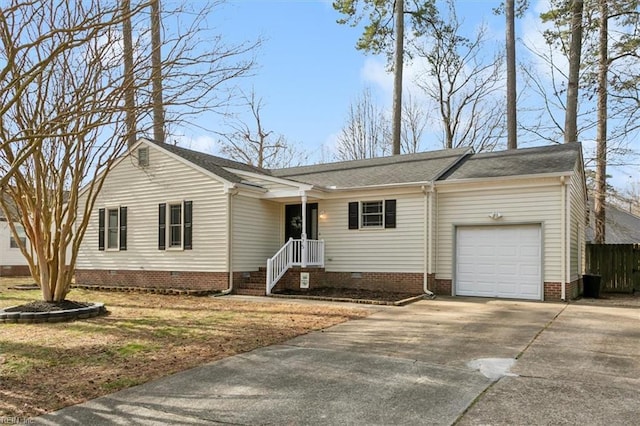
{"type": "Point", "coordinates": [621, 227]}
{"type": "Point", "coordinates": [422, 167]}
{"type": "Point", "coordinates": [524, 161]}
{"type": "Point", "coordinates": [212, 163]}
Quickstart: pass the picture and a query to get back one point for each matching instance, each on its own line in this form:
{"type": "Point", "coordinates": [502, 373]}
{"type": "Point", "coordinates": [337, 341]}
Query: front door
{"type": "Point", "coordinates": [293, 221]}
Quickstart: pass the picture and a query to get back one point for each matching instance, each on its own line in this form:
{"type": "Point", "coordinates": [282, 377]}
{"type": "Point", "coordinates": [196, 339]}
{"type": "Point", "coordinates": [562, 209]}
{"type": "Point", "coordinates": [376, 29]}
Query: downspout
{"type": "Point", "coordinates": [567, 227]}
{"type": "Point", "coordinates": [231, 191]}
{"type": "Point", "coordinates": [427, 240]}
{"type": "Point", "coordinates": [563, 245]}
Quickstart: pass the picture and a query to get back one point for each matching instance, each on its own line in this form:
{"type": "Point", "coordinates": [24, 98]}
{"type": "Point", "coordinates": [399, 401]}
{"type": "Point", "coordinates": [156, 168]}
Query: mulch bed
{"type": "Point", "coordinates": [42, 306]}
{"type": "Point", "coordinates": [346, 293]}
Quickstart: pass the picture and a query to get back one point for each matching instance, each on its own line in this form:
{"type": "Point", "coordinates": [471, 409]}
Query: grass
{"type": "Point", "coordinates": [44, 367]}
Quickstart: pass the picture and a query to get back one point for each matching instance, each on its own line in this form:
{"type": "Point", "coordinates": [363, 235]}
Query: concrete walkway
{"type": "Point", "coordinates": [418, 364]}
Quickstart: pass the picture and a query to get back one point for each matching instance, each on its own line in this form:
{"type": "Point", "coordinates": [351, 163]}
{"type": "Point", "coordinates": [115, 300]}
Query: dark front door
{"type": "Point", "coordinates": [293, 221]}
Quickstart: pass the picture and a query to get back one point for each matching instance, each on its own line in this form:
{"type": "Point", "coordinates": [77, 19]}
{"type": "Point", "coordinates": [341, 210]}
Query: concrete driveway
{"type": "Point", "coordinates": [577, 363]}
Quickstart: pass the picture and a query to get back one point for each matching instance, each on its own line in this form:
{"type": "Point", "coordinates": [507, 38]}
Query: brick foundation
{"type": "Point", "coordinates": [553, 290]}
{"type": "Point", "coordinates": [377, 281]}
{"type": "Point", "coordinates": [442, 287]}
{"type": "Point", "coordinates": [14, 271]}
{"type": "Point", "coordinates": [154, 279]}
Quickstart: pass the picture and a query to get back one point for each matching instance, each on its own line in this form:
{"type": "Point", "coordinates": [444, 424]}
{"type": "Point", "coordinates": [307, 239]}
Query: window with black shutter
{"type": "Point", "coordinates": [353, 215]}
{"type": "Point", "coordinates": [390, 213]}
{"type": "Point", "coordinates": [372, 214]}
{"type": "Point", "coordinates": [123, 228]}
{"type": "Point", "coordinates": [162, 226]}
{"type": "Point", "coordinates": [101, 229]}
{"type": "Point", "coordinates": [188, 225]}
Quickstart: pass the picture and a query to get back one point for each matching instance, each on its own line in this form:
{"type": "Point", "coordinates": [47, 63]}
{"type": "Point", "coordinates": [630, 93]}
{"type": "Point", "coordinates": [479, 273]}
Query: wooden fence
{"type": "Point", "coordinates": [617, 264]}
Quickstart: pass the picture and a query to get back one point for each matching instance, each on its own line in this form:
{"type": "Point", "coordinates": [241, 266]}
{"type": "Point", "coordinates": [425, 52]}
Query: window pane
{"type": "Point", "coordinates": [112, 228]}
{"type": "Point", "coordinates": [113, 238]}
{"type": "Point", "coordinates": [176, 236]}
{"type": "Point", "coordinates": [113, 218]}
{"type": "Point", "coordinates": [176, 214]}
{"type": "Point", "coordinates": [372, 207]}
{"type": "Point", "coordinates": [372, 214]}
{"type": "Point", "coordinates": [374, 220]}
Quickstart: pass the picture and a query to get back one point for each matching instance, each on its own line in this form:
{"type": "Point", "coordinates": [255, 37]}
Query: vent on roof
{"type": "Point", "coordinates": [143, 156]}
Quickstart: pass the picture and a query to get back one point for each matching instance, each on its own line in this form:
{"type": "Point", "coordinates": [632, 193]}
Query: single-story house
{"type": "Point", "coordinates": [12, 262]}
{"type": "Point", "coordinates": [503, 224]}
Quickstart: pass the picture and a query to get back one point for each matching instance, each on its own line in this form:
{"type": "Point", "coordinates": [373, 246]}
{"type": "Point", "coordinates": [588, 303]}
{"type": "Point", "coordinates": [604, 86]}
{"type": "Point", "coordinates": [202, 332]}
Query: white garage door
{"type": "Point", "coordinates": [499, 261]}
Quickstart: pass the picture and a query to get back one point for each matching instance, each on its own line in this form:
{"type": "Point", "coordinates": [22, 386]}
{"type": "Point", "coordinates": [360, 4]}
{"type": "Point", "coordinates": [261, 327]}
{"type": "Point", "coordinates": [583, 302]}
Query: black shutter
{"type": "Point", "coordinates": [162, 226]}
{"type": "Point", "coordinates": [100, 229]}
{"type": "Point", "coordinates": [123, 228]}
{"type": "Point", "coordinates": [390, 213]}
{"type": "Point", "coordinates": [188, 225]}
{"type": "Point", "coordinates": [353, 215]}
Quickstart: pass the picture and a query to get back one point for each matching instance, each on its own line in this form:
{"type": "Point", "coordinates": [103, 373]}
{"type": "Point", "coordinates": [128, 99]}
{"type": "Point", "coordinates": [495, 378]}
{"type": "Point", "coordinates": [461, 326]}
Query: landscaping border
{"type": "Point", "coordinates": [94, 310]}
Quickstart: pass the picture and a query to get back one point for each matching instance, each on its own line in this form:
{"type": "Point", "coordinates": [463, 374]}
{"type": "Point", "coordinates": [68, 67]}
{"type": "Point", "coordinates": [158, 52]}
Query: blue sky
{"type": "Point", "coordinates": [309, 70]}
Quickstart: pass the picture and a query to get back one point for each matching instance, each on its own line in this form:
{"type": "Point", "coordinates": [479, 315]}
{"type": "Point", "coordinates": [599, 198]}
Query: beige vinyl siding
{"type": "Point", "coordinates": [519, 203]}
{"type": "Point", "coordinates": [577, 219]}
{"type": "Point", "coordinates": [256, 232]}
{"type": "Point", "coordinates": [400, 249]}
{"type": "Point", "coordinates": [165, 180]}
{"type": "Point", "coordinates": [9, 256]}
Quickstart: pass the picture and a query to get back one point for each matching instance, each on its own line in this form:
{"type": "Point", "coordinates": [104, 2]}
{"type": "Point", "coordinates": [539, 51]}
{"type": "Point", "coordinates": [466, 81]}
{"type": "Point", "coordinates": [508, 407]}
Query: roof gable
{"type": "Point", "coordinates": [210, 163]}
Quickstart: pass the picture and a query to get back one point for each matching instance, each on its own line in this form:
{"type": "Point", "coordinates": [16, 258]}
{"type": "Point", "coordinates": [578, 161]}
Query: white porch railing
{"type": "Point", "coordinates": [294, 253]}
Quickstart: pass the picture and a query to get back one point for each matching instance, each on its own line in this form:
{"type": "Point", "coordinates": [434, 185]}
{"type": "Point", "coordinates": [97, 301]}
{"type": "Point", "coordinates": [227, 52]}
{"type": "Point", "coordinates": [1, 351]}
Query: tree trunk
{"type": "Point", "coordinates": [512, 136]}
{"type": "Point", "coordinates": [129, 96]}
{"type": "Point", "coordinates": [571, 115]}
{"type": "Point", "coordinates": [156, 73]}
{"type": "Point", "coordinates": [397, 76]}
{"type": "Point", "coordinates": [601, 133]}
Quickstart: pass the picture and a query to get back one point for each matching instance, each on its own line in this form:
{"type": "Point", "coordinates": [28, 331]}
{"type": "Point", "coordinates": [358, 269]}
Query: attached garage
{"type": "Point", "coordinates": [499, 261]}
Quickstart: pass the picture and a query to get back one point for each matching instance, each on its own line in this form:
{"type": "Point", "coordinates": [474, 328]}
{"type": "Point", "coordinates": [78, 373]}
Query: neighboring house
{"type": "Point", "coordinates": [12, 262]}
{"type": "Point", "coordinates": [621, 227]}
{"type": "Point", "coordinates": [503, 224]}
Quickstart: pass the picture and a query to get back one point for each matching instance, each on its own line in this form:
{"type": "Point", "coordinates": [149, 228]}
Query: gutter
{"type": "Point", "coordinates": [428, 239]}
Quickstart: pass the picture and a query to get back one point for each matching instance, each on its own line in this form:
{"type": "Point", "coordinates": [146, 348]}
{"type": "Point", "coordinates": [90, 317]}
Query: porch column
{"type": "Point", "coordinates": [303, 235]}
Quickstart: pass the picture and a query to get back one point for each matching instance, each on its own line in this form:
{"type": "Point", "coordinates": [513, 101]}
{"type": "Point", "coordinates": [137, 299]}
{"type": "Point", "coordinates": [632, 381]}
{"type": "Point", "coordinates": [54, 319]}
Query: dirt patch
{"type": "Point", "coordinates": [41, 306]}
{"type": "Point", "coordinates": [345, 293]}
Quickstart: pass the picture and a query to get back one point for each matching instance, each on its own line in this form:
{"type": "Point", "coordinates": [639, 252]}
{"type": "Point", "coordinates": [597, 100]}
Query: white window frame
{"type": "Point", "coordinates": [168, 245]}
{"type": "Point", "coordinates": [106, 228]}
{"type": "Point", "coordinates": [363, 214]}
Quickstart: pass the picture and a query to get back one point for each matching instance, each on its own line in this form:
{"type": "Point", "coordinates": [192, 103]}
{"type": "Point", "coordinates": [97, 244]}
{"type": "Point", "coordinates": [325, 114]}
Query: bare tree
{"type": "Point", "coordinates": [130, 91]}
{"type": "Point", "coordinates": [601, 134]}
{"type": "Point", "coordinates": [366, 131]}
{"type": "Point", "coordinates": [575, 53]}
{"type": "Point", "coordinates": [385, 32]}
{"type": "Point", "coordinates": [414, 122]}
{"type": "Point", "coordinates": [253, 144]}
{"type": "Point", "coordinates": [156, 73]}
{"type": "Point", "coordinates": [62, 119]}
{"type": "Point", "coordinates": [464, 84]}
{"type": "Point", "coordinates": [512, 123]}
{"type": "Point", "coordinates": [196, 66]}
{"type": "Point", "coordinates": [70, 114]}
